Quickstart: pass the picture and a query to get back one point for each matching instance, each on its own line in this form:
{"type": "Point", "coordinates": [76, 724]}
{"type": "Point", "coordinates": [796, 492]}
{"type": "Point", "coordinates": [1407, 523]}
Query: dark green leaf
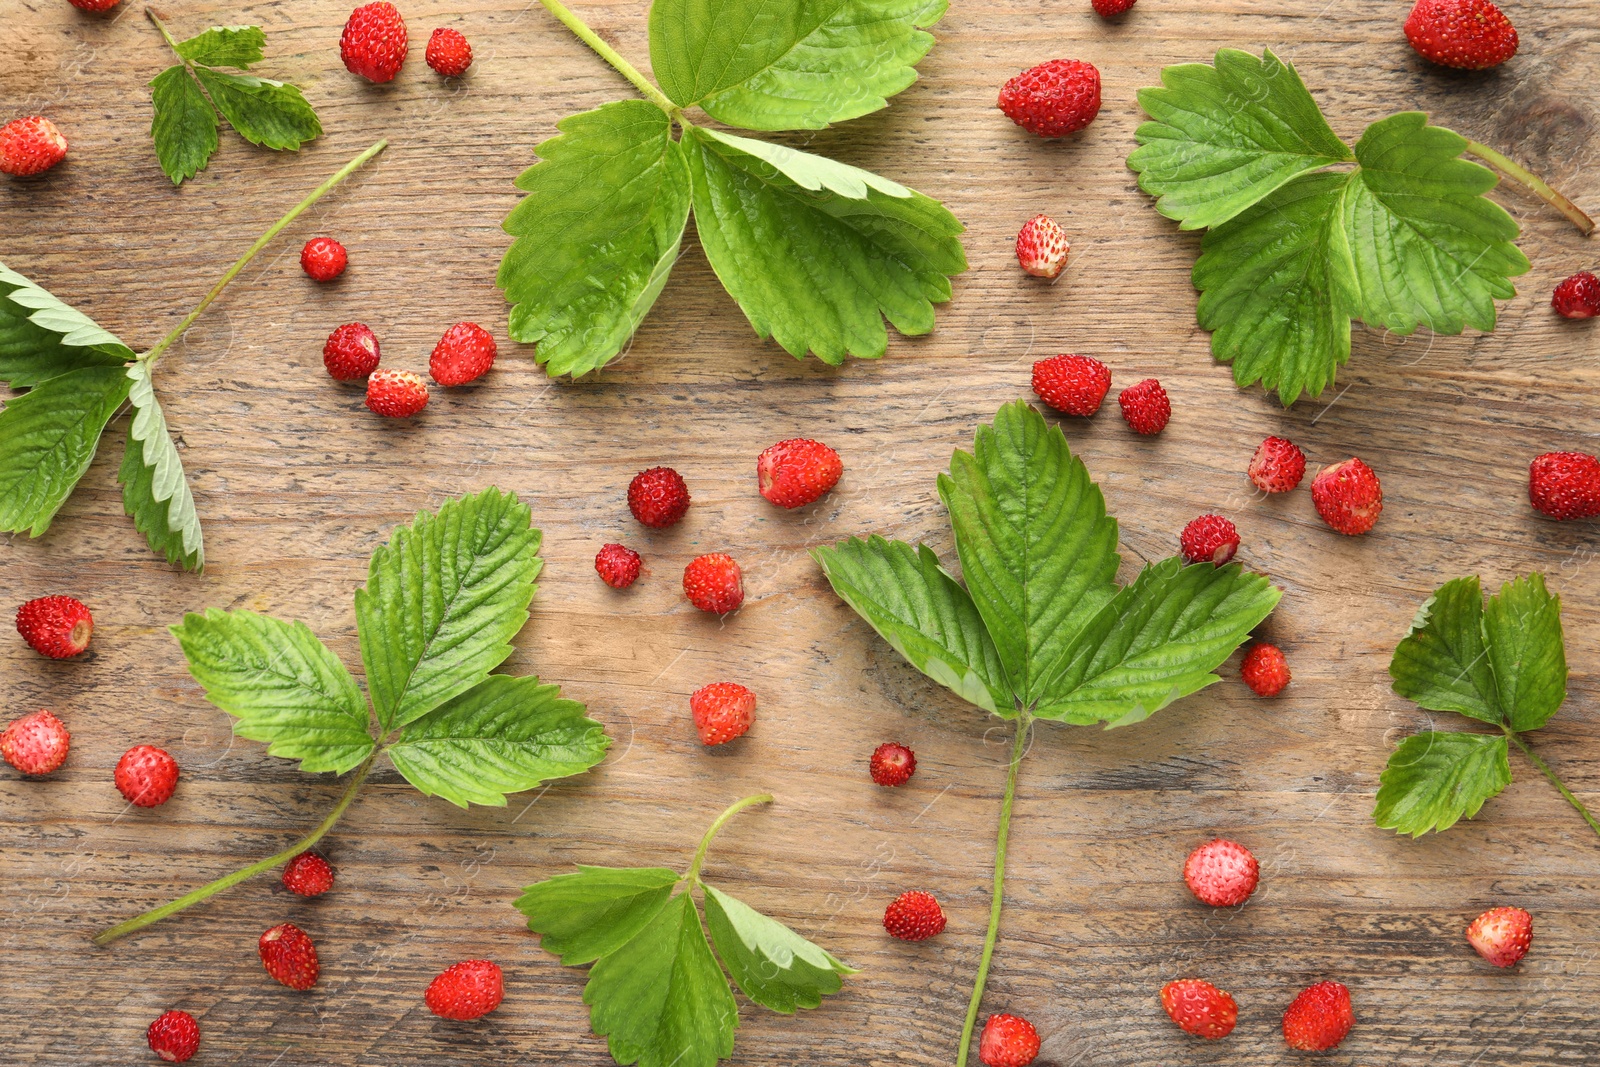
{"type": "Point", "coordinates": [263, 112]}
{"type": "Point", "coordinates": [1434, 779]}
{"type": "Point", "coordinates": [1443, 663]}
{"type": "Point", "coordinates": [48, 436]}
{"type": "Point", "coordinates": [1526, 651]}
{"type": "Point", "coordinates": [41, 337]}
{"type": "Point", "coordinates": [183, 125]}
{"type": "Point", "coordinates": [770, 963]}
{"type": "Point", "coordinates": [225, 46]}
{"type": "Point", "coordinates": [581, 917]}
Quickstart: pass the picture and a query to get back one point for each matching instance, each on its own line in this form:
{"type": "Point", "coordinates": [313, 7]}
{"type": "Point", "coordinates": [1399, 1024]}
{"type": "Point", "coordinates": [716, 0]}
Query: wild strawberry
{"type": "Point", "coordinates": [1265, 670]}
{"type": "Point", "coordinates": [466, 991]}
{"type": "Point", "coordinates": [308, 875]}
{"type": "Point", "coordinates": [797, 472]}
{"type": "Point", "coordinates": [1502, 935]}
{"type": "Point", "coordinates": [1110, 8]}
{"type": "Point", "coordinates": [1145, 406]}
{"type": "Point", "coordinates": [350, 352]}
{"type": "Point", "coordinates": [1042, 247]}
{"type": "Point", "coordinates": [1073, 385]}
{"type": "Point", "coordinates": [448, 53]}
{"type": "Point", "coordinates": [146, 776]}
{"type": "Point", "coordinates": [323, 259]}
{"type": "Point", "coordinates": [1578, 297]}
{"type": "Point", "coordinates": [617, 565]}
{"type": "Point", "coordinates": [1348, 497]}
{"type": "Point", "coordinates": [914, 916]}
{"type": "Point", "coordinates": [396, 394]}
{"type": "Point", "coordinates": [722, 711]}
{"type": "Point", "coordinates": [1008, 1041]}
{"type": "Point", "coordinates": [289, 956]}
{"type": "Point", "coordinates": [55, 626]}
{"type": "Point", "coordinates": [1221, 873]}
{"type": "Point", "coordinates": [1277, 466]}
{"type": "Point", "coordinates": [1209, 539]}
{"type": "Point", "coordinates": [94, 5]}
{"type": "Point", "coordinates": [1200, 1008]}
{"type": "Point", "coordinates": [1470, 34]}
{"type": "Point", "coordinates": [658, 497]}
{"type": "Point", "coordinates": [464, 354]}
{"type": "Point", "coordinates": [1565, 485]}
{"type": "Point", "coordinates": [892, 764]}
{"type": "Point", "coordinates": [713, 583]}
{"type": "Point", "coordinates": [1319, 1018]}
{"type": "Point", "coordinates": [30, 146]}
{"type": "Point", "coordinates": [1054, 98]}
{"type": "Point", "coordinates": [373, 44]}
{"type": "Point", "coordinates": [174, 1036]}
{"type": "Point", "coordinates": [37, 743]}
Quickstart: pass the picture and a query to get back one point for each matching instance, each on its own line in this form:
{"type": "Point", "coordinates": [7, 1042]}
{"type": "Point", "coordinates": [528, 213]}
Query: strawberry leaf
{"type": "Point", "coordinates": [48, 436]}
{"type": "Point", "coordinates": [263, 112]}
{"type": "Point", "coordinates": [770, 963]}
{"type": "Point", "coordinates": [581, 917]}
{"type": "Point", "coordinates": [1434, 779]}
{"type": "Point", "coordinates": [225, 46]}
{"type": "Point", "coordinates": [1527, 653]}
{"type": "Point", "coordinates": [41, 337]}
{"type": "Point", "coordinates": [155, 492]}
{"type": "Point", "coordinates": [183, 124]}
{"type": "Point", "coordinates": [1443, 663]}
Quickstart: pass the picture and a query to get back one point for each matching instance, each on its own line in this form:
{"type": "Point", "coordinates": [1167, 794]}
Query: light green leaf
{"type": "Point", "coordinates": [581, 917]}
{"type": "Point", "coordinates": [154, 490]}
{"type": "Point", "coordinates": [911, 601]}
{"type": "Point", "coordinates": [48, 436]}
{"type": "Point", "coordinates": [183, 124]}
{"type": "Point", "coordinates": [1443, 663]}
{"type": "Point", "coordinates": [790, 66]}
{"type": "Point", "coordinates": [597, 235]}
{"type": "Point", "coordinates": [1434, 779]}
{"type": "Point", "coordinates": [41, 337]}
{"type": "Point", "coordinates": [442, 601]}
{"type": "Point", "coordinates": [811, 173]}
{"type": "Point", "coordinates": [1527, 654]}
{"type": "Point", "coordinates": [282, 685]}
{"type": "Point", "coordinates": [263, 112]}
{"type": "Point", "coordinates": [225, 46]}
{"type": "Point", "coordinates": [502, 736]}
{"type": "Point", "coordinates": [770, 963]}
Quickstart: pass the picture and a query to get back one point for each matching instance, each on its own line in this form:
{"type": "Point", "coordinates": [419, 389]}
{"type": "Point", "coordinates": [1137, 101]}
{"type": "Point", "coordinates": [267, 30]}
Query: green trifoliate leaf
{"type": "Point", "coordinates": [225, 46]}
{"type": "Point", "coordinates": [581, 917]}
{"type": "Point", "coordinates": [1434, 779]}
{"type": "Point", "coordinates": [263, 112]}
{"type": "Point", "coordinates": [154, 491]}
{"type": "Point", "coordinates": [48, 436]}
{"type": "Point", "coordinates": [597, 235]}
{"type": "Point", "coordinates": [1443, 663]}
{"type": "Point", "coordinates": [770, 963]}
{"type": "Point", "coordinates": [789, 66]}
{"type": "Point", "coordinates": [282, 685]}
{"type": "Point", "coordinates": [1527, 654]}
{"type": "Point", "coordinates": [502, 736]}
{"type": "Point", "coordinates": [41, 337]}
{"type": "Point", "coordinates": [183, 124]}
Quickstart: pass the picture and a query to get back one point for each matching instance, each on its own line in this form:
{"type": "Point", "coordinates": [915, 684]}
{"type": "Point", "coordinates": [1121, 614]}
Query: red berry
{"type": "Point", "coordinates": [1042, 247]}
{"type": "Point", "coordinates": [1054, 98]}
{"type": "Point", "coordinates": [1008, 1041]}
{"type": "Point", "coordinates": [373, 44]}
{"type": "Point", "coordinates": [351, 352]}
{"type": "Point", "coordinates": [914, 916]}
{"type": "Point", "coordinates": [94, 5]}
{"type": "Point", "coordinates": [289, 956]}
{"type": "Point", "coordinates": [464, 354]}
{"type": "Point", "coordinates": [397, 394]}
{"type": "Point", "coordinates": [1277, 466]}
{"type": "Point", "coordinates": [1110, 8]}
{"type": "Point", "coordinates": [1209, 539]}
{"type": "Point", "coordinates": [448, 52]}
{"type": "Point", "coordinates": [174, 1036]}
{"type": "Point", "coordinates": [466, 991]}
{"type": "Point", "coordinates": [1502, 935]}
{"type": "Point", "coordinates": [1470, 34]}
{"type": "Point", "coordinates": [1578, 297]}
{"type": "Point", "coordinates": [1565, 485]}
{"type": "Point", "coordinates": [1348, 496]}
{"type": "Point", "coordinates": [658, 497]}
{"type": "Point", "coordinates": [30, 146]}
{"type": "Point", "coordinates": [55, 626]}
{"type": "Point", "coordinates": [1145, 406]}
{"type": "Point", "coordinates": [1319, 1018]}
{"type": "Point", "coordinates": [713, 583]}
{"type": "Point", "coordinates": [146, 776]}
{"type": "Point", "coordinates": [617, 565]}
{"type": "Point", "coordinates": [892, 764]}
{"type": "Point", "coordinates": [1200, 1008]}
{"type": "Point", "coordinates": [323, 259]}
{"type": "Point", "coordinates": [797, 472]}
{"type": "Point", "coordinates": [1073, 385]}
{"type": "Point", "coordinates": [1221, 873]}
{"type": "Point", "coordinates": [722, 711]}
{"type": "Point", "coordinates": [1265, 670]}
{"type": "Point", "coordinates": [308, 875]}
{"type": "Point", "coordinates": [37, 743]}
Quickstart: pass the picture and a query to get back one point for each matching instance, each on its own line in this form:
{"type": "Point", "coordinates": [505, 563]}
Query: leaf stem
{"type": "Point", "coordinates": [261, 242]}
{"type": "Point", "coordinates": [1544, 769]}
{"type": "Point", "coordinates": [610, 55]}
{"type": "Point", "coordinates": [1018, 748]}
{"type": "Point", "coordinates": [1534, 184]}
{"type": "Point", "coordinates": [162, 26]}
{"type": "Point", "coordinates": [705, 842]}
{"type": "Point", "coordinates": [155, 915]}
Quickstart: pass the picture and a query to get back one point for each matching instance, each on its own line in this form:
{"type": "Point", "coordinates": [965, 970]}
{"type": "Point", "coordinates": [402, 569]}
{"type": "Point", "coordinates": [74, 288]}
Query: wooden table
{"type": "Point", "coordinates": [297, 484]}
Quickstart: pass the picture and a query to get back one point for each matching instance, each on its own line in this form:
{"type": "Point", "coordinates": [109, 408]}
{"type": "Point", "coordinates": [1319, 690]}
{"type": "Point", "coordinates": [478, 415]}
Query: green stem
{"type": "Point", "coordinates": [1534, 184]}
{"type": "Point", "coordinates": [261, 242]}
{"type": "Point", "coordinates": [610, 55]}
{"type": "Point", "coordinates": [1018, 747]}
{"type": "Point", "coordinates": [705, 842]}
{"type": "Point", "coordinates": [162, 26]}
{"type": "Point", "coordinates": [1544, 768]}
{"type": "Point", "coordinates": [155, 915]}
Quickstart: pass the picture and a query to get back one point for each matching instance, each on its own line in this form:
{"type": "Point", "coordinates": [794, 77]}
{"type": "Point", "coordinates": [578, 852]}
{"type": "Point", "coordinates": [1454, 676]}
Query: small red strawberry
{"type": "Point", "coordinates": [1221, 873]}
{"type": "Point", "coordinates": [396, 394]}
{"type": "Point", "coordinates": [617, 565]}
{"type": "Point", "coordinates": [797, 472]}
{"type": "Point", "coordinates": [1073, 385]}
{"type": "Point", "coordinates": [1319, 1018]}
{"type": "Point", "coordinates": [94, 5]}
{"type": "Point", "coordinates": [658, 497]}
{"type": "Point", "coordinates": [1348, 497]}
{"type": "Point", "coordinates": [713, 583]}
{"type": "Point", "coordinates": [1008, 1041]}
{"type": "Point", "coordinates": [1200, 1008]}
{"type": "Point", "coordinates": [1265, 670]}
{"type": "Point", "coordinates": [1502, 935]}
{"type": "Point", "coordinates": [58, 627]}
{"type": "Point", "coordinates": [1470, 34]}
{"type": "Point", "coordinates": [722, 711]}
{"type": "Point", "coordinates": [1578, 297]}
{"type": "Point", "coordinates": [1565, 485]}
{"type": "Point", "coordinates": [289, 956]}
{"type": "Point", "coordinates": [466, 991]}
{"type": "Point", "coordinates": [1110, 8]}
{"type": "Point", "coordinates": [30, 146]}
{"type": "Point", "coordinates": [1042, 247]}
{"type": "Point", "coordinates": [37, 743]}
{"type": "Point", "coordinates": [448, 53]}
{"type": "Point", "coordinates": [146, 776]}
{"type": "Point", "coordinates": [1209, 539]}
{"type": "Point", "coordinates": [308, 875]}
{"type": "Point", "coordinates": [464, 354]}
{"type": "Point", "coordinates": [350, 352]}
{"type": "Point", "coordinates": [892, 764]}
{"type": "Point", "coordinates": [174, 1036]}
{"type": "Point", "coordinates": [914, 916]}
{"type": "Point", "coordinates": [373, 44]}
{"type": "Point", "coordinates": [323, 259]}
{"type": "Point", "coordinates": [1054, 98]}
{"type": "Point", "coordinates": [1145, 406]}
{"type": "Point", "coordinates": [1277, 466]}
